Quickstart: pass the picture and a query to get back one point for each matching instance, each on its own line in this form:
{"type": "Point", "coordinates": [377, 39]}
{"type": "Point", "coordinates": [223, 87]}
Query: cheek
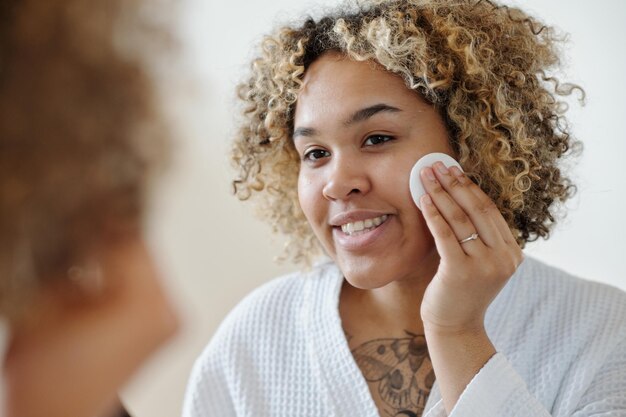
{"type": "Point", "coordinates": [392, 183]}
{"type": "Point", "coordinates": [309, 196]}
{"type": "Point", "coordinates": [393, 187]}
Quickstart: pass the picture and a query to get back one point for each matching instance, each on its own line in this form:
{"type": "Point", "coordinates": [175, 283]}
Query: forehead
{"type": "Point", "coordinates": [335, 86]}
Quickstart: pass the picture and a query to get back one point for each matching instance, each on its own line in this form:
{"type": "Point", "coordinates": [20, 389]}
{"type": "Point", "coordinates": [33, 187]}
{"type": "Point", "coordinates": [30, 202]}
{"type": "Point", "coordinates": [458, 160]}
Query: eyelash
{"type": "Point", "coordinates": [311, 154]}
{"type": "Point", "coordinates": [387, 137]}
{"type": "Point", "coordinates": [308, 155]}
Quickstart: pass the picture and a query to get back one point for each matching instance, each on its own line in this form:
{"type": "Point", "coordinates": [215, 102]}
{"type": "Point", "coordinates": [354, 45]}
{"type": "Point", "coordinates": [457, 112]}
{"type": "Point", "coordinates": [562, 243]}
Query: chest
{"type": "Point", "coordinates": [398, 372]}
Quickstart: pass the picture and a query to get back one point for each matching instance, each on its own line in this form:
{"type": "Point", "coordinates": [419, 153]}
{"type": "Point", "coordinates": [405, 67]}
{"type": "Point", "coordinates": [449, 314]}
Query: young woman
{"type": "Point", "coordinates": [80, 139]}
{"type": "Point", "coordinates": [428, 312]}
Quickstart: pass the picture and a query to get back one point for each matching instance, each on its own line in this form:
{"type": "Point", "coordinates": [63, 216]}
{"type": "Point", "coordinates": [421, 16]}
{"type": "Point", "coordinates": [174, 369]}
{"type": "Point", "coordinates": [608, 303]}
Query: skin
{"type": "Point", "coordinates": [73, 350]}
{"type": "Point", "coordinates": [359, 130]}
{"type": "Point", "coordinates": [399, 372]}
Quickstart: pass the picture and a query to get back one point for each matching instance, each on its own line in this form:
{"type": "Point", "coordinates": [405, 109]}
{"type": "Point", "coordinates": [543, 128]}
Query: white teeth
{"type": "Point", "coordinates": [368, 224]}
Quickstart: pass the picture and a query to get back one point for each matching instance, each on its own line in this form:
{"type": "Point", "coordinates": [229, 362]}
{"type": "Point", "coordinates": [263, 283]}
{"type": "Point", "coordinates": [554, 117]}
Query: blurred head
{"type": "Point", "coordinates": [80, 139]}
{"type": "Point", "coordinates": [470, 78]}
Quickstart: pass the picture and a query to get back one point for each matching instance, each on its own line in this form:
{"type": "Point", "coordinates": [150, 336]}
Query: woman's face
{"type": "Point", "coordinates": [358, 130]}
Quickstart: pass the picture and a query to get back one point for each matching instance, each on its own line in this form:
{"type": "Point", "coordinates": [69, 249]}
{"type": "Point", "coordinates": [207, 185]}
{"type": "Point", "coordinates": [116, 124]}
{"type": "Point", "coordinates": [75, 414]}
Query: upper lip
{"type": "Point", "coordinates": [354, 216]}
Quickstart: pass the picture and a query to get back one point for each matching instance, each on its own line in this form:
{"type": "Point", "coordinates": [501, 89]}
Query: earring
{"type": "Point", "coordinates": [88, 277]}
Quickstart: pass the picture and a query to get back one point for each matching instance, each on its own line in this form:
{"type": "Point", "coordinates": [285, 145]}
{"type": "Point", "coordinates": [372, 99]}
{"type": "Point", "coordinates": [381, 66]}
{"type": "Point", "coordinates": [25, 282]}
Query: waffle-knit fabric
{"type": "Point", "coordinates": [281, 352]}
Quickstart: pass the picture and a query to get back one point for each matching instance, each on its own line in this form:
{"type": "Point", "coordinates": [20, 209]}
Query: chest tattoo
{"type": "Point", "coordinates": [399, 370]}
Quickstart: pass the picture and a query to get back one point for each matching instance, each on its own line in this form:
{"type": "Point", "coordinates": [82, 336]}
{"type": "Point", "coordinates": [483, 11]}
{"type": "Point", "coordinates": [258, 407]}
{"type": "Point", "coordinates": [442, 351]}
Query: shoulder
{"type": "Point", "coordinates": [544, 302]}
{"type": "Point", "coordinates": [271, 314]}
{"type": "Point", "coordinates": [281, 299]}
{"type": "Point", "coordinates": [265, 339]}
{"type": "Point", "coordinates": [542, 283]}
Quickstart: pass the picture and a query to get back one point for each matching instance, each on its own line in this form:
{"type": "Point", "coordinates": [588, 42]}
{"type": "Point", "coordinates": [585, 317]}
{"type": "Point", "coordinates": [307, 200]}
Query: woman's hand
{"type": "Point", "coordinates": [470, 273]}
{"type": "Point", "coordinates": [478, 256]}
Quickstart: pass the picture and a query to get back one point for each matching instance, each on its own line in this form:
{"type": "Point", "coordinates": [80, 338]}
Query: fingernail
{"type": "Point", "coordinates": [458, 173]}
{"type": "Point", "coordinates": [427, 200]}
{"type": "Point", "coordinates": [441, 168]}
{"type": "Point", "coordinates": [430, 174]}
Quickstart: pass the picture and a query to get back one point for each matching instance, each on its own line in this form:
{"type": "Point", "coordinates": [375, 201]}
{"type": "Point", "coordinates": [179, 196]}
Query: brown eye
{"type": "Point", "coordinates": [377, 140]}
{"type": "Point", "coordinates": [315, 154]}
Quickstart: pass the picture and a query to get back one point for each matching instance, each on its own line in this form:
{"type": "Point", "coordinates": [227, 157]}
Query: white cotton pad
{"type": "Point", "coordinates": [415, 183]}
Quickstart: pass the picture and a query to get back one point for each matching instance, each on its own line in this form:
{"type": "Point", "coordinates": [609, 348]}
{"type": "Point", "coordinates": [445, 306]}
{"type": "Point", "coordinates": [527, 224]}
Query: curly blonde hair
{"type": "Point", "coordinates": [80, 138]}
{"type": "Point", "coordinates": [484, 66]}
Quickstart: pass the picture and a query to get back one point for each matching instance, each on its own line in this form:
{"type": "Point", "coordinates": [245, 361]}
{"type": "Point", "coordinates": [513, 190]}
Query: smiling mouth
{"type": "Point", "coordinates": [363, 226]}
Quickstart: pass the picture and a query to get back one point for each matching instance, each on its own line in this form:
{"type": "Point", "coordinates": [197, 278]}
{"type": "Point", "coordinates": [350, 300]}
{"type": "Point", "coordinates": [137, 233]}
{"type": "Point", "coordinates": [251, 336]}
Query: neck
{"type": "Point", "coordinates": [392, 309]}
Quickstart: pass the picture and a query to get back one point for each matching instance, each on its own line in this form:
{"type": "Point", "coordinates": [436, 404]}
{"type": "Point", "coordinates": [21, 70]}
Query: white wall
{"type": "Point", "coordinates": [213, 251]}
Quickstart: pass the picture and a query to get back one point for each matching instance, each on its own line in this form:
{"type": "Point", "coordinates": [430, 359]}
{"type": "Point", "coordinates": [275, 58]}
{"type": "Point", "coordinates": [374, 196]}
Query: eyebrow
{"type": "Point", "coordinates": [366, 113]}
{"type": "Point", "coordinates": [358, 116]}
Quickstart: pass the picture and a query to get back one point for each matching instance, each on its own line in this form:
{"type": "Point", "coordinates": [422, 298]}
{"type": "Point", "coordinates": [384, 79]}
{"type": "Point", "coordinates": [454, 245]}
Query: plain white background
{"type": "Point", "coordinates": [213, 251]}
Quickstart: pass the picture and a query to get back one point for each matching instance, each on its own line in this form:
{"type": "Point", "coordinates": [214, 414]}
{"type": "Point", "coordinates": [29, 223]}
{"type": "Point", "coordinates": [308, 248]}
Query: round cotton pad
{"type": "Point", "coordinates": [415, 183]}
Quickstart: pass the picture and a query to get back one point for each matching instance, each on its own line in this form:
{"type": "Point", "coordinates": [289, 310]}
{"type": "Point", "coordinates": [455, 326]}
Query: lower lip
{"type": "Point", "coordinates": [362, 240]}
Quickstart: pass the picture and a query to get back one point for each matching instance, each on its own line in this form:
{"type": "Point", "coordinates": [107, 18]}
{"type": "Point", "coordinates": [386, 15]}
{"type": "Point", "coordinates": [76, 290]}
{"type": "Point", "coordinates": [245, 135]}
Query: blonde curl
{"type": "Point", "coordinates": [486, 67]}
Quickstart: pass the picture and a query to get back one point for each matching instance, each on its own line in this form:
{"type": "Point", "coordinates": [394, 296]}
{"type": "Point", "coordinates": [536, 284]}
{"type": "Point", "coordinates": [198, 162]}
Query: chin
{"type": "Point", "coordinates": [366, 275]}
{"type": "Point", "coordinates": [366, 282]}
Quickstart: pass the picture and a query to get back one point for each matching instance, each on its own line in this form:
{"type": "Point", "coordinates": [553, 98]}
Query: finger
{"type": "Point", "coordinates": [484, 201]}
{"type": "Point", "coordinates": [445, 240]}
{"type": "Point", "coordinates": [513, 251]}
{"type": "Point", "coordinates": [454, 215]}
{"type": "Point", "coordinates": [478, 210]}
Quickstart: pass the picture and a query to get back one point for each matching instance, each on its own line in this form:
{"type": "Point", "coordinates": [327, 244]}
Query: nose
{"type": "Point", "coordinates": [347, 177]}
